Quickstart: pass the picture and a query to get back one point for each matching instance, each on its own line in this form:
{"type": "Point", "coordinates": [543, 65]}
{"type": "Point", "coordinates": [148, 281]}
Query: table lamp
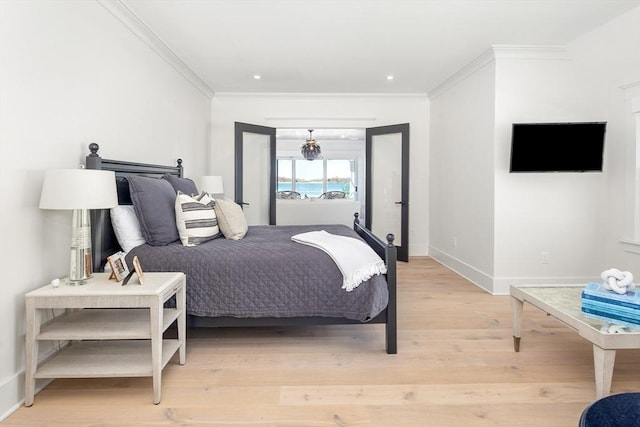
{"type": "Point", "coordinates": [79, 190]}
{"type": "Point", "coordinates": [212, 184]}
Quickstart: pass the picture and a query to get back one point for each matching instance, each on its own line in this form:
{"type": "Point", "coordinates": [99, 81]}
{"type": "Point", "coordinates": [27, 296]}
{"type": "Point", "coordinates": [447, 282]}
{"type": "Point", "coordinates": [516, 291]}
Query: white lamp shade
{"type": "Point", "coordinates": [78, 189]}
{"type": "Point", "coordinates": [212, 184]}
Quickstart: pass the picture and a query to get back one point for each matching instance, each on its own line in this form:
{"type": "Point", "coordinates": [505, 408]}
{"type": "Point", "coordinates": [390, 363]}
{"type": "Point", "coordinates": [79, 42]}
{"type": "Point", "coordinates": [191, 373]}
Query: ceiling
{"type": "Point", "coordinates": [351, 46]}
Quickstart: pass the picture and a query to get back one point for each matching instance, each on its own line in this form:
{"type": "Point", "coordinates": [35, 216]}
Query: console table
{"type": "Point", "coordinates": [114, 330]}
{"type": "Point", "coordinates": [564, 302]}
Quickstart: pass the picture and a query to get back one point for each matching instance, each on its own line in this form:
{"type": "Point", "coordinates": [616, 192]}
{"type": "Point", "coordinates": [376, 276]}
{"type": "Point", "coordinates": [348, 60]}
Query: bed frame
{"type": "Point", "coordinates": [104, 243]}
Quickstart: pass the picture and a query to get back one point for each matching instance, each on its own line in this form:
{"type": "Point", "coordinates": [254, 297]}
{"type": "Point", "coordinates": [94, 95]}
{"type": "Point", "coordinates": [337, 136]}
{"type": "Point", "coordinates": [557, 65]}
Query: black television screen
{"type": "Point", "coordinates": [557, 147]}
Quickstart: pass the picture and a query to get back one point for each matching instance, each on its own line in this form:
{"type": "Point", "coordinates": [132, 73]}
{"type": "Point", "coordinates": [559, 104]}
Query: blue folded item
{"type": "Point", "coordinates": [601, 303]}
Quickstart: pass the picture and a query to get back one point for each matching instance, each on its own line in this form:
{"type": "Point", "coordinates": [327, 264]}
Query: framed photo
{"type": "Point", "coordinates": [119, 269]}
{"type": "Point", "coordinates": [138, 268]}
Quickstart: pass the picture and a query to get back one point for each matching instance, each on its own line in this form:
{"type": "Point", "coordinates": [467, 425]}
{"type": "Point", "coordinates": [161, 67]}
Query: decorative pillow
{"type": "Point", "coordinates": [206, 198]}
{"type": "Point", "coordinates": [153, 200]}
{"type": "Point", "coordinates": [231, 219]}
{"type": "Point", "coordinates": [196, 220]}
{"type": "Point", "coordinates": [126, 227]}
{"type": "Point", "coordinates": [185, 185]}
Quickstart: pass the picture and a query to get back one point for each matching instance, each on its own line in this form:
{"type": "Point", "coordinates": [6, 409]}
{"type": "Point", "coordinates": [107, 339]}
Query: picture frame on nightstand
{"type": "Point", "coordinates": [138, 269]}
{"type": "Point", "coordinates": [119, 268]}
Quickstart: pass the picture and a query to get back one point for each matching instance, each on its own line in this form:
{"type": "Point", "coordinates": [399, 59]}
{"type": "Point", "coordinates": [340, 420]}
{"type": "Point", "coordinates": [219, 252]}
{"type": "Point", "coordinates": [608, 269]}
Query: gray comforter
{"type": "Point", "coordinates": [265, 275]}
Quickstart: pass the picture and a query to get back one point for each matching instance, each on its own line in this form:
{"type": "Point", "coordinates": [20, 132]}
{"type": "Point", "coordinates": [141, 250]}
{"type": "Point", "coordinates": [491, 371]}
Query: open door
{"type": "Point", "coordinates": [255, 172]}
{"type": "Point", "coordinates": [387, 184]}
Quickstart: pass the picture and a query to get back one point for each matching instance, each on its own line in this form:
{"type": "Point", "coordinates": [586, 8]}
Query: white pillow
{"type": "Point", "coordinates": [195, 219]}
{"type": "Point", "coordinates": [126, 227]}
{"type": "Point", "coordinates": [233, 223]}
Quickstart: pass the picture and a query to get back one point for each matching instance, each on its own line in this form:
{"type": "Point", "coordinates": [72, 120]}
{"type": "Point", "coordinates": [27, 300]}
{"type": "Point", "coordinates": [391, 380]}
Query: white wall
{"type": "Point", "coordinates": [72, 74]}
{"type": "Point", "coordinates": [512, 219]}
{"type": "Point", "coordinates": [559, 214]}
{"type": "Point", "coordinates": [461, 165]}
{"type": "Point", "coordinates": [610, 56]}
{"type": "Point", "coordinates": [314, 111]}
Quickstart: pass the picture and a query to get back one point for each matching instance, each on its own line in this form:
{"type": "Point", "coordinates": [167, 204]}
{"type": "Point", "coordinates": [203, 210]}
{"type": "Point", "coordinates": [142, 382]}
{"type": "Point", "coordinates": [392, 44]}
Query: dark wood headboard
{"type": "Point", "coordinates": [103, 239]}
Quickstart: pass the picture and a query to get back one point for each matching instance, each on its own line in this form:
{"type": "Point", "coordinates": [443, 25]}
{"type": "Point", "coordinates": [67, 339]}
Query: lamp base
{"type": "Point", "coordinates": [78, 282]}
{"type": "Point", "coordinates": [80, 268]}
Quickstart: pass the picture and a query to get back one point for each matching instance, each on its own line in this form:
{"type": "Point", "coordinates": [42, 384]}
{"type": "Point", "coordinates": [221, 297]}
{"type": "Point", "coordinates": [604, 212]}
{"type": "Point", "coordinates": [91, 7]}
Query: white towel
{"type": "Point", "coordinates": [355, 259]}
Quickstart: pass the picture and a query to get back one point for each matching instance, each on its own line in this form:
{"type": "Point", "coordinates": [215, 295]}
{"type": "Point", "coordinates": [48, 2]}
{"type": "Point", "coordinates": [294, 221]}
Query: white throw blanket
{"type": "Point", "coordinates": [355, 259]}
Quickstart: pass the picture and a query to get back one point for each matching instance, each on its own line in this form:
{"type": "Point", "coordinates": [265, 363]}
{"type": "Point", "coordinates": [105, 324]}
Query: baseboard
{"type": "Point", "coordinates": [475, 276]}
{"type": "Point", "coordinates": [499, 285]}
{"type": "Point", "coordinates": [11, 395]}
{"type": "Point", "coordinates": [12, 389]}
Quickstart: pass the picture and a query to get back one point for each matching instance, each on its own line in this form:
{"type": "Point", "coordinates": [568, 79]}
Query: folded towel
{"type": "Point", "coordinates": [355, 259]}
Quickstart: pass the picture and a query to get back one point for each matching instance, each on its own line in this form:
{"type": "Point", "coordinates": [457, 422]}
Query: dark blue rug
{"type": "Point", "coordinates": [617, 410]}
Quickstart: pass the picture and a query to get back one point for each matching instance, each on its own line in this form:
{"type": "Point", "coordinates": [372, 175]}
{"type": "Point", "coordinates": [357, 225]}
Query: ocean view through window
{"type": "Point", "coordinates": [313, 179]}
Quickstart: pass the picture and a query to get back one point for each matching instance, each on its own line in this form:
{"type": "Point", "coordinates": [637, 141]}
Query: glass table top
{"type": "Point", "coordinates": [567, 300]}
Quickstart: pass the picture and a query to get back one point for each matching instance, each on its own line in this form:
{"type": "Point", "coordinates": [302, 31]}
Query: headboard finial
{"type": "Point", "coordinates": [93, 147]}
{"type": "Point", "coordinates": [390, 239]}
{"type": "Point", "coordinates": [179, 161]}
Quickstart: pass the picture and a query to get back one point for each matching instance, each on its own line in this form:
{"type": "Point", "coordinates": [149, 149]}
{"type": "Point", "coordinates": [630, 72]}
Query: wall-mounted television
{"type": "Point", "coordinates": [557, 147]}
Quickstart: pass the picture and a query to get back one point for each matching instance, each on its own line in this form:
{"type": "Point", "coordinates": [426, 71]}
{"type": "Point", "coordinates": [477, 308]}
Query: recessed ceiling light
{"type": "Point", "coordinates": [389, 77]}
{"type": "Point", "coordinates": [257, 76]}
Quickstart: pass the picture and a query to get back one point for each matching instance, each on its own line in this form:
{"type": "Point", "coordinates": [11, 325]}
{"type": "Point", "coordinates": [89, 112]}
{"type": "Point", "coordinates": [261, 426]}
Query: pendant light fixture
{"type": "Point", "coordinates": [310, 149]}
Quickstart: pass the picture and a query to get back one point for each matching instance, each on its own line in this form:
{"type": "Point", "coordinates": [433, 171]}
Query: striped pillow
{"type": "Point", "coordinates": [195, 219]}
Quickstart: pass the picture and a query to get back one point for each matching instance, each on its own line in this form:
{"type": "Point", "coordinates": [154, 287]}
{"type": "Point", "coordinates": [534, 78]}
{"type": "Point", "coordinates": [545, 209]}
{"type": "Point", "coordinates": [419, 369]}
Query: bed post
{"type": "Point", "coordinates": [180, 168]}
{"type": "Point", "coordinates": [98, 217]}
{"type": "Point", "coordinates": [388, 252]}
{"type": "Point", "coordinates": [93, 160]}
{"type": "Point", "coordinates": [392, 319]}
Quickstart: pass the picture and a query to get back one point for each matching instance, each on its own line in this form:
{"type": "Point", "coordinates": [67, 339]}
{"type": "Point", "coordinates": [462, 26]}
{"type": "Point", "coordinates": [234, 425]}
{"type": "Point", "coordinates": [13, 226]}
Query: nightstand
{"type": "Point", "coordinates": [114, 330]}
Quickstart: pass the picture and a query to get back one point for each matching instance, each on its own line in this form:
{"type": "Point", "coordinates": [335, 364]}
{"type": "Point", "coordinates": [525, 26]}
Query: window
{"type": "Point", "coordinates": [285, 175]}
{"type": "Point", "coordinates": [326, 178]}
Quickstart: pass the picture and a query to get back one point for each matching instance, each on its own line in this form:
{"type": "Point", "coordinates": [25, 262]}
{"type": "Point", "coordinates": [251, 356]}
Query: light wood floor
{"type": "Point", "coordinates": [455, 367]}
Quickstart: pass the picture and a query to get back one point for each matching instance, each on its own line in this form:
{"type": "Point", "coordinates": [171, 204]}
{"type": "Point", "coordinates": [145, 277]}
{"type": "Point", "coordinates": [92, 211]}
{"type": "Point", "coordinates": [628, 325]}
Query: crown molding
{"type": "Point", "coordinates": [477, 64]}
{"type": "Point", "coordinates": [499, 52]}
{"type": "Point", "coordinates": [323, 95]}
{"type": "Point", "coordinates": [122, 13]}
{"type": "Point", "coordinates": [530, 52]}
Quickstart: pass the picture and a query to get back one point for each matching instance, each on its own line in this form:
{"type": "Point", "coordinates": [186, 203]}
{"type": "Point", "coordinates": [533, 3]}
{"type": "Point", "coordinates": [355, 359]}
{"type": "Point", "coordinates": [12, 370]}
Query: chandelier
{"type": "Point", "coordinates": [310, 150]}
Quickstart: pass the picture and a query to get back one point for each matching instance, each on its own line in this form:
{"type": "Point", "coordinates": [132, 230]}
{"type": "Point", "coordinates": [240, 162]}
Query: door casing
{"type": "Point", "coordinates": [403, 130]}
{"type": "Point", "coordinates": [240, 130]}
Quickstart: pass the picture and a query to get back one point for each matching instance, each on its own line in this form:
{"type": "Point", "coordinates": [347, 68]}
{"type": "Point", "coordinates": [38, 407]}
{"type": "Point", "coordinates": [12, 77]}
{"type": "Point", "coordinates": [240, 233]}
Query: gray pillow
{"type": "Point", "coordinates": [185, 185]}
{"type": "Point", "coordinates": [153, 200]}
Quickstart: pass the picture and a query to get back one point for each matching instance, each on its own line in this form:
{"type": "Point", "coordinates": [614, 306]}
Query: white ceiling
{"type": "Point", "coordinates": [350, 46]}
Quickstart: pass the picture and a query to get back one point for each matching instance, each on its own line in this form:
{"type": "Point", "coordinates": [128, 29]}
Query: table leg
{"type": "Point", "coordinates": [156, 348]}
{"type": "Point", "coordinates": [603, 361]}
{"type": "Point", "coordinates": [34, 318]}
{"type": "Point", "coordinates": [182, 323]}
{"type": "Point", "coordinates": [516, 317]}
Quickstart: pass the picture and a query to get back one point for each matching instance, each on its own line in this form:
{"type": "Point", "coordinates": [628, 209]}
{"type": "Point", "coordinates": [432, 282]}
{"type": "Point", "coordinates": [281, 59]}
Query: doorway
{"type": "Point", "coordinates": [387, 183]}
{"type": "Point", "coordinates": [255, 172]}
{"type": "Point", "coordinates": [386, 178]}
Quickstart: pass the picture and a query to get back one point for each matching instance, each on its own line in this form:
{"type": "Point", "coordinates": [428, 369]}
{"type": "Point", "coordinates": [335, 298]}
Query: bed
{"type": "Point", "coordinates": [263, 279]}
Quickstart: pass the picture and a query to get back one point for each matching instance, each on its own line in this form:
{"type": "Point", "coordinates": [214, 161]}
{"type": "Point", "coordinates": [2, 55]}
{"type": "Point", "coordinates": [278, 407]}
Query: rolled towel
{"type": "Point", "coordinates": [618, 281]}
